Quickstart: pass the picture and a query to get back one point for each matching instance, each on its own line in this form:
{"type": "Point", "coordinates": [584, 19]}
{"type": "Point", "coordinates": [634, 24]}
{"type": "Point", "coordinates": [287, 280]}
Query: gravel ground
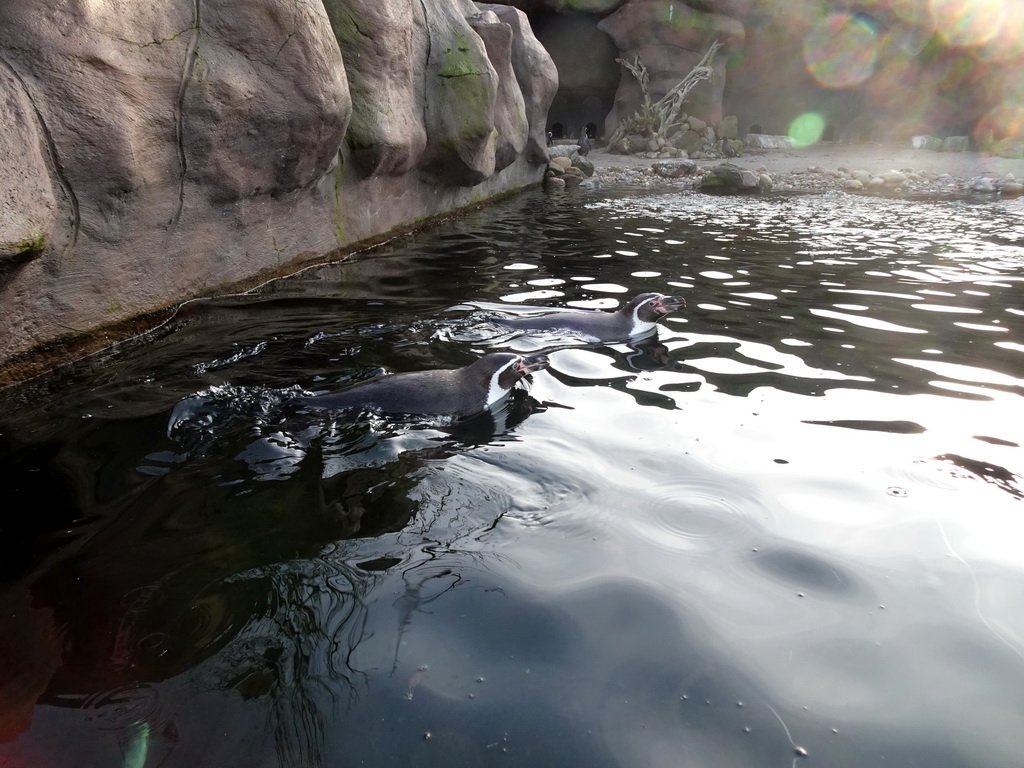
{"type": "Point", "coordinates": [859, 168]}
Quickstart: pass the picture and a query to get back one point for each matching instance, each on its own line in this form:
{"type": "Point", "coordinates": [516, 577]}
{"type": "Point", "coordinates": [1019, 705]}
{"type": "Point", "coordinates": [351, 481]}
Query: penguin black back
{"type": "Point", "coordinates": [636, 318]}
{"type": "Point", "coordinates": [457, 392]}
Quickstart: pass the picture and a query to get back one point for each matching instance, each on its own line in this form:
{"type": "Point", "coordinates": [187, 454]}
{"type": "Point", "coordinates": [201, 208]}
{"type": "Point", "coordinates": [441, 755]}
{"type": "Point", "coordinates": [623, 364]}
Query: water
{"type": "Point", "coordinates": [785, 530]}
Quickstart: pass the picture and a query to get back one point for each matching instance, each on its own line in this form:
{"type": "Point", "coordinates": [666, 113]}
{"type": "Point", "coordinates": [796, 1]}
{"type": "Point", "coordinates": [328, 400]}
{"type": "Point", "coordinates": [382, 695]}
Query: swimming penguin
{"type": "Point", "coordinates": [637, 318]}
{"type": "Point", "coordinates": [459, 392]}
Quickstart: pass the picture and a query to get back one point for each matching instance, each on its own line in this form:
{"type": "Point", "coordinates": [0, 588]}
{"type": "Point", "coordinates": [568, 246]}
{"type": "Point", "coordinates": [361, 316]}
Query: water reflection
{"type": "Point", "coordinates": [788, 520]}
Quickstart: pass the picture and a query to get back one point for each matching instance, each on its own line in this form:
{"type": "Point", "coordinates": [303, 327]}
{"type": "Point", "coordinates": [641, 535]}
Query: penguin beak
{"type": "Point", "coordinates": [527, 365]}
{"type": "Point", "coordinates": [666, 304]}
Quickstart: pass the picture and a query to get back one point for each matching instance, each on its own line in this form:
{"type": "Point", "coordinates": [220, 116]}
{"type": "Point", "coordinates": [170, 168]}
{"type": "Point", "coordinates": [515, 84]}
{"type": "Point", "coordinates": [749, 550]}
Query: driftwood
{"type": "Point", "coordinates": [659, 117]}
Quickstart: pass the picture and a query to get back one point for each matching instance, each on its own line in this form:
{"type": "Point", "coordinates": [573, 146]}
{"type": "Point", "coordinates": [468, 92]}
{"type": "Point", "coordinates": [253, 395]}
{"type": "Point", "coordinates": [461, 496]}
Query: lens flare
{"type": "Point", "coordinates": [806, 129]}
{"type": "Point", "coordinates": [1008, 42]}
{"type": "Point", "coordinates": [913, 12]}
{"type": "Point", "coordinates": [967, 23]}
{"type": "Point", "coordinates": [841, 50]}
{"type": "Point", "coordinates": [1000, 122]}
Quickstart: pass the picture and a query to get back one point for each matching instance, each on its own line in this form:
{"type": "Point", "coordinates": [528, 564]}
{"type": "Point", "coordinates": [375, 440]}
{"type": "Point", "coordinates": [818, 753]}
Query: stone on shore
{"type": "Point", "coordinates": [956, 144]}
{"type": "Point", "coordinates": [924, 182]}
{"type": "Point", "coordinates": [730, 179]}
{"type": "Point", "coordinates": [584, 165]}
{"type": "Point", "coordinates": [562, 150]}
{"type": "Point", "coordinates": [673, 169]}
{"type": "Point", "coordinates": [931, 143]}
{"type": "Point", "coordinates": [764, 141]}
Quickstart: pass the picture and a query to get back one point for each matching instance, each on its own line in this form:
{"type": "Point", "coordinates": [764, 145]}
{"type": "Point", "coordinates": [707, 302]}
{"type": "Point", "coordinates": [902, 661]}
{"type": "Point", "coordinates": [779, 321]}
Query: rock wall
{"type": "Point", "coordinates": [159, 151]}
{"type": "Point", "coordinates": [585, 37]}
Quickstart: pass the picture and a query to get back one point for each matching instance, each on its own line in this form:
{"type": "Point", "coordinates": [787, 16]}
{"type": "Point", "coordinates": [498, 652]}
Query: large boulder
{"type": "Point", "coordinates": [28, 203]}
{"type": "Point", "coordinates": [727, 178]}
{"type": "Point", "coordinates": [157, 126]}
{"type": "Point", "coordinates": [537, 77]}
{"type": "Point", "coordinates": [509, 108]}
{"type": "Point", "coordinates": [386, 134]}
{"type": "Point", "coordinates": [674, 169]}
{"type": "Point", "coordinates": [461, 90]}
{"type": "Point", "coordinates": [764, 141]}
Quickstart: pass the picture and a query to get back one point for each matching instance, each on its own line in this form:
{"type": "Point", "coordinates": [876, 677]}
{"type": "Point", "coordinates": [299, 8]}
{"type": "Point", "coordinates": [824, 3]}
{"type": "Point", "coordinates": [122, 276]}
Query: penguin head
{"type": "Point", "coordinates": [650, 307]}
{"type": "Point", "coordinates": [500, 371]}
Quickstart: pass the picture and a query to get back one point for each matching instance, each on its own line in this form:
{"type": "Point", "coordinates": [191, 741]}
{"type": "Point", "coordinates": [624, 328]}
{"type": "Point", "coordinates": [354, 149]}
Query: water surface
{"type": "Point", "coordinates": [787, 528]}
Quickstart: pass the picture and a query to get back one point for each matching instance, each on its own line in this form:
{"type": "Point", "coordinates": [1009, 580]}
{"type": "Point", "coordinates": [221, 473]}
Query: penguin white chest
{"type": "Point", "coordinates": [495, 390]}
{"type": "Point", "coordinates": [640, 327]}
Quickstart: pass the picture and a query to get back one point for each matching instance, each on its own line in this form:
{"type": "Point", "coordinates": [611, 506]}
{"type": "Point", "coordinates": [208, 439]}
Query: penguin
{"type": "Point", "coordinates": [637, 318]}
{"type": "Point", "coordinates": [458, 393]}
{"type": "Point", "coordinates": [728, 149]}
{"type": "Point", "coordinates": [584, 143]}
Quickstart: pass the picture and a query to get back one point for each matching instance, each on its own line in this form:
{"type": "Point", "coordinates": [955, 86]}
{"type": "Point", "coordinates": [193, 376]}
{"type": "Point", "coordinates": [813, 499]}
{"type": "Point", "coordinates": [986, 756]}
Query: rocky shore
{"type": "Point", "coordinates": [856, 168]}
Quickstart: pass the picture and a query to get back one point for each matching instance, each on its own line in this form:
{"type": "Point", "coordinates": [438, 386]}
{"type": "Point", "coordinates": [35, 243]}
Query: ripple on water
{"type": "Point", "coordinates": [806, 571]}
{"type": "Point", "coordinates": [553, 487]}
{"type": "Point", "coordinates": [119, 708]}
{"type": "Point", "coordinates": [698, 515]}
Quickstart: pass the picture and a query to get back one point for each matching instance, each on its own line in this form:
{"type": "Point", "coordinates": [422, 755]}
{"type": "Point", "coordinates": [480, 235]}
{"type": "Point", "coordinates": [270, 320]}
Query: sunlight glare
{"type": "Point", "coordinates": [967, 23]}
{"type": "Point", "coordinates": [841, 50]}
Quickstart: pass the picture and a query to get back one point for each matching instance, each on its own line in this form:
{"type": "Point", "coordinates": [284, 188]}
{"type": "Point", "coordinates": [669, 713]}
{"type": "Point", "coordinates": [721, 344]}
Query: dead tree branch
{"type": "Point", "coordinates": [657, 118]}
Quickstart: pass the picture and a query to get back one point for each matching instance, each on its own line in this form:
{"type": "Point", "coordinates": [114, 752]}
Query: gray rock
{"type": "Point", "coordinates": [893, 178]}
{"type": "Point", "coordinates": [536, 75]}
{"type": "Point", "coordinates": [982, 184]}
{"type": "Point", "coordinates": [583, 164]}
{"type": "Point", "coordinates": [956, 144]}
{"type": "Point", "coordinates": [562, 150]}
{"type": "Point", "coordinates": [690, 142]}
{"type": "Point", "coordinates": [674, 169]}
{"type": "Point", "coordinates": [638, 143]}
{"type": "Point", "coordinates": [572, 180]}
{"type": "Point", "coordinates": [931, 143]}
{"type": "Point", "coordinates": [764, 141]}
{"type": "Point", "coordinates": [386, 134]}
{"type": "Point", "coordinates": [28, 205]}
{"type": "Point", "coordinates": [509, 115]}
{"type": "Point", "coordinates": [729, 178]}
{"type": "Point", "coordinates": [696, 124]}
